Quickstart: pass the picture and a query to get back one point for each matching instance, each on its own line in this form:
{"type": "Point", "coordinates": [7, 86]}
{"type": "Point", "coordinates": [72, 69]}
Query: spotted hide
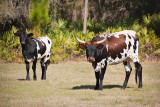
{"type": "Point", "coordinates": [113, 48]}
{"type": "Point", "coordinates": [34, 49]}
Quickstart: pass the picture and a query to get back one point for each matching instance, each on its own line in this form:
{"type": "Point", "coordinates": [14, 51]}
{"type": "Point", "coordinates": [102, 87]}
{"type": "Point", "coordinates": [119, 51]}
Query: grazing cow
{"type": "Point", "coordinates": [33, 49]}
{"type": "Point", "coordinates": [113, 48]}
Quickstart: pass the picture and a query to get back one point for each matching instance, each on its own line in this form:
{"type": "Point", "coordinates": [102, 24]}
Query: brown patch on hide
{"type": "Point", "coordinates": [136, 38]}
{"type": "Point", "coordinates": [116, 50]}
{"type": "Point", "coordinates": [129, 36]}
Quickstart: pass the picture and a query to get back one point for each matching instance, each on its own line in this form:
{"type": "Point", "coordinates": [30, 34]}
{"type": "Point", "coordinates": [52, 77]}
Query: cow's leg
{"type": "Point", "coordinates": [103, 70]}
{"type": "Point", "coordinates": [43, 68]}
{"type": "Point", "coordinates": [97, 74]}
{"type": "Point", "coordinates": [27, 68]}
{"type": "Point", "coordinates": [138, 69]}
{"type": "Point", "coordinates": [139, 73]}
{"type": "Point", "coordinates": [44, 65]}
{"type": "Point", "coordinates": [128, 70]}
{"type": "Point", "coordinates": [34, 70]}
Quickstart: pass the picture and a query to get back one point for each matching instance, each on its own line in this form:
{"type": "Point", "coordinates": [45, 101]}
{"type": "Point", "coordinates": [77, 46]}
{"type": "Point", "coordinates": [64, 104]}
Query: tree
{"type": "Point", "coordinates": [85, 16]}
{"type": "Point", "coordinates": [39, 18]}
{"type": "Point", "coordinates": [13, 13]}
{"type": "Point", "coordinates": [74, 12]}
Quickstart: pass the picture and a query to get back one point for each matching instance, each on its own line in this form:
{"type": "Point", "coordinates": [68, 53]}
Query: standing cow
{"type": "Point", "coordinates": [33, 49]}
{"type": "Point", "coordinates": [113, 48]}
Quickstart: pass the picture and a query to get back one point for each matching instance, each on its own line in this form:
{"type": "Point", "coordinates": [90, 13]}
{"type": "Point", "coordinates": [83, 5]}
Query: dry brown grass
{"type": "Point", "coordinates": [71, 84]}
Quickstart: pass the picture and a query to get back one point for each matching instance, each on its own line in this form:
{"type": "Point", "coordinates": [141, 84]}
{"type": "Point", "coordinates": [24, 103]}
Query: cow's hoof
{"type": "Point", "coordinates": [28, 79]}
{"type": "Point", "coordinates": [98, 88]}
{"type": "Point", "coordinates": [140, 86]}
{"type": "Point", "coordinates": [34, 79]}
{"type": "Point", "coordinates": [122, 88]}
{"type": "Point", "coordinates": [43, 78]}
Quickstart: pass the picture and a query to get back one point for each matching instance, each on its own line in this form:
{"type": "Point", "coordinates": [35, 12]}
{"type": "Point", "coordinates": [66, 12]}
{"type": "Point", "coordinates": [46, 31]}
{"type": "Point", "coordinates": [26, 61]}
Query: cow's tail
{"type": "Point", "coordinates": [136, 74]}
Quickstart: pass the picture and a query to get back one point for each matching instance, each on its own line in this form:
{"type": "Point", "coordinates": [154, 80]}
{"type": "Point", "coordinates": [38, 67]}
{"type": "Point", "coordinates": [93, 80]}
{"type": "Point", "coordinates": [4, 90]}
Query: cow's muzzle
{"type": "Point", "coordinates": [91, 59]}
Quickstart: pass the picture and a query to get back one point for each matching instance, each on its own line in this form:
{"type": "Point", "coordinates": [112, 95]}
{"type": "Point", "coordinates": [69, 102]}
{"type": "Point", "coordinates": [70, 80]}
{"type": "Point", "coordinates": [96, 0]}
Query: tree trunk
{"type": "Point", "coordinates": [85, 16]}
{"type": "Point", "coordinates": [74, 15]}
{"type": "Point", "coordinates": [55, 11]}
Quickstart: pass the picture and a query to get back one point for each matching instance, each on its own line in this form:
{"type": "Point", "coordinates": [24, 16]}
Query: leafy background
{"type": "Point", "coordinates": [42, 21]}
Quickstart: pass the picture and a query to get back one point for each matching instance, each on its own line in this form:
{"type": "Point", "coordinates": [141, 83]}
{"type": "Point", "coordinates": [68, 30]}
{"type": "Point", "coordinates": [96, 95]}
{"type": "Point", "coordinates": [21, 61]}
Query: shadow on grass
{"type": "Point", "coordinates": [92, 87]}
{"type": "Point", "coordinates": [21, 79]}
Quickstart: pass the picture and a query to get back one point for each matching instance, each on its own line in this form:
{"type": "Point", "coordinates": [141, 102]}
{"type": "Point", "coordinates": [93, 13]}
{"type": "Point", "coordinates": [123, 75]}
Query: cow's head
{"type": "Point", "coordinates": [23, 36]}
{"type": "Point", "coordinates": [91, 47]}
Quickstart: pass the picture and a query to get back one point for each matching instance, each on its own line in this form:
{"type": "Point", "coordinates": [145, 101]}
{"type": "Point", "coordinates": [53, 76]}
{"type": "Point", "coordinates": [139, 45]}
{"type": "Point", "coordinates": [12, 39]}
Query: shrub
{"type": "Point", "coordinates": [9, 47]}
{"type": "Point", "coordinates": [64, 44]}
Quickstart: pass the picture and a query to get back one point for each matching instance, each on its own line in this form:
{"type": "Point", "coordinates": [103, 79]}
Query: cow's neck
{"type": "Point", "coordinates": [101, 54]}
{"type": "Point", "coordinates": [27, 45]}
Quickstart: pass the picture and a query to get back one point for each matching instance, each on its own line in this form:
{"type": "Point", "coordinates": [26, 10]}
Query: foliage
{"type": "Point", "coordinates": [39, 18]}
{"type": "Point", "coordinates": [65, 46]}
{"type": "Point", "coordinates": [10, 47]}
{"type": "Point", "coordinates": [64, 43]}
{"type": "Point", "coordinates": [153, 22]}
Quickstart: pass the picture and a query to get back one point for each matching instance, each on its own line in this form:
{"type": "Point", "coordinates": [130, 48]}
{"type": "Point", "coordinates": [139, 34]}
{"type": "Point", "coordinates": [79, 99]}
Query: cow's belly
{"type": "Point", "coordinates": [111, 61]}
{"type": "Point", "coordinates": [29, 60]}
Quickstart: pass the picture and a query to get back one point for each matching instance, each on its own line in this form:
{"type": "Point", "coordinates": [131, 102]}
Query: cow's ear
{"type": "Point", "coordinates": [16, 34]}
{"type": "Point", "coordinates": [31, 34]}
{"type": "Point", "coordinates": [82, 46]}
{"type": "Point", "coordinates": [100, 46]}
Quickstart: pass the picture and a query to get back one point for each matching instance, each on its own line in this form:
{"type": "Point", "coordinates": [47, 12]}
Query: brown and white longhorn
{"type": "Point", "coordinates": [114, 48]}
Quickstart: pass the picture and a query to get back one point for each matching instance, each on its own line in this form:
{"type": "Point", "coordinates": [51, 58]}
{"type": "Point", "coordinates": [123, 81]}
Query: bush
{"type": "Point", "coordinates": [153, 22]}
{"type": "Point", "coordinates": [10, 47]}
{"type": "Point", "coordinates": [64, 44]}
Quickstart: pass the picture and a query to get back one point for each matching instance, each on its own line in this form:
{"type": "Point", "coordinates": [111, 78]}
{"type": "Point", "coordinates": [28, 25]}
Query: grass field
{"type": "Point", "coordinates": [71, 84]}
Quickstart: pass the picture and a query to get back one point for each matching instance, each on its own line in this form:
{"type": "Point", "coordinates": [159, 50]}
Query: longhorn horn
{"type": "Point", "coordinates": [105, 38]}
{"type": "Point", "coordinates": [79, 39]}
{"type": "Point", "coordinates": [23, 26]}
{"type": "Point", "coordinates": [15, 30]}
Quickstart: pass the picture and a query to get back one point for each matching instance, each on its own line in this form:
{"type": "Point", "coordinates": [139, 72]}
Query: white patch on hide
{"type": "Point", "coordinates": [45, 40]}
{"type": "Point", "coordinates": [127, 67]}
{"type": "Point", "coordinates": [107, 47]}
{"type": "Point", "coordinates": [100, 65]}
{"type": "Point", "coordinates": [111, 61]}
{"type": "Point", "coordinates": [128, 52]}
{"type": "Point", "coordinates": [29, 60]}
{"type": "Point", "coordinates": [102, 36]}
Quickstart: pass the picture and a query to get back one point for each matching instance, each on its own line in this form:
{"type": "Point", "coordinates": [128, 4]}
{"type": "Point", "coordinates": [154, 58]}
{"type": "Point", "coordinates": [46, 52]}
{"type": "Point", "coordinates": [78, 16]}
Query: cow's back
{"type": "Point", "coordinates": [121, 46]}
{"type": "Point", "coordinates": [45, 41]}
